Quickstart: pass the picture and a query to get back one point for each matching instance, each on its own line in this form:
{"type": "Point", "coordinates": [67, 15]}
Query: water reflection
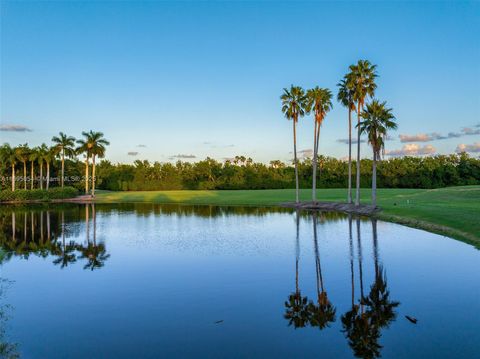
{"type": "Point", "coordinates": [362, 324]}
{"type": "Point", "coordinates": [367, 316]}
{"type": "Point", "coordinates": [36, 231]}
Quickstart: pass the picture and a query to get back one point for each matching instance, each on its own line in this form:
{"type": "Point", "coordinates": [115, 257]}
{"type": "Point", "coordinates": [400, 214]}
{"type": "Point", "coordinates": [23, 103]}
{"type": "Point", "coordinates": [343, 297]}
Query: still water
{"type": "Point", "coordinates": [150, 281]}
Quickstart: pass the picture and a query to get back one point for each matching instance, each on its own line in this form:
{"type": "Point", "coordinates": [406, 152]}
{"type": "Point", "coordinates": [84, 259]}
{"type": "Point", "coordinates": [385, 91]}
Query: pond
{"type": "Point", "coordinates": [150, 281]}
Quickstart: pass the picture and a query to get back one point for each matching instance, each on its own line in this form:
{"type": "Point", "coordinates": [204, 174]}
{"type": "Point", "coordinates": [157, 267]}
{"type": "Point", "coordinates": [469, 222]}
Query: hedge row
{"type": "Point", "coordinates": [37, 194]}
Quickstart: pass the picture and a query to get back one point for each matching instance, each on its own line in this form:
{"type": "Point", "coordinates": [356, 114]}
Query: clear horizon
{"type": "Point", "coordinates": [173, 80]}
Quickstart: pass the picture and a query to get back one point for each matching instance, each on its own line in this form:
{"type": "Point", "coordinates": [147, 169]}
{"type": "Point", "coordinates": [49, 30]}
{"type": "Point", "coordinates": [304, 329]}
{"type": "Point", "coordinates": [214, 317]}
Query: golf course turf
{"type": "Point", "coordinates": [452, 211]}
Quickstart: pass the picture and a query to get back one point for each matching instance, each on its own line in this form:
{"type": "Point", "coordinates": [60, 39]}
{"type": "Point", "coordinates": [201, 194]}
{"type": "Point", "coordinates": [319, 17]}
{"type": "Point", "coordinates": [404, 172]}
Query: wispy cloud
{"type": "Point", "coordinates": [468, 148]}
{"type": "Point", "coordinates": [132, 153]}
{"type": "Point", "coordinates": [14, 128]}
{"type": "Point", "coordinates": [427, 137]}
{"type": "Point", "coordinates": [143, 146]}
{"type": "Point", "coordinates": [470, 131]}
{"type": "Point", "coordinates": [182, 156]}
{"type": "Point", "coordinates": [412, 149]}
{"type": "Point", "coordinates": [354, 140]}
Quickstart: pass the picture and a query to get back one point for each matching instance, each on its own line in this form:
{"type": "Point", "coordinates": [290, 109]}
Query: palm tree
{"type": "Point", "coordinates": [93, 145]}
{"type": "Point", "coordinates": [42, 152]}
{"type": "Point", "coordinates": [318, 101]}
{"type": "Point", "coordinates": [65, 145]}
{"type": "Point", "coordinates": [48, 157]}
{"type": "Point", "coordinates": [22, 152]}
{"type": "Point", "coordinates": [293, 107]}
{"type": "Point", "coordinates": [9, 155]}
{"type": "Point", "coordinates": [378, 119]}
{"type": "Point", "coordinates": [33, 157]}
{"type": "Point", "coordinates": [362, 77]}
{"type": "Point", "coordinates": [345, 97]}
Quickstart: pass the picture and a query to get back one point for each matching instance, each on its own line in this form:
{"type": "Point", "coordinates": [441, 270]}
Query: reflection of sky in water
{"type": "Point", "coordinates": [170, 277]}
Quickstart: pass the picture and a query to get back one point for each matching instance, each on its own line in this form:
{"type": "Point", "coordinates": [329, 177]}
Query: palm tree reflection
{"type": "Point", "coordinates": [95, 253]}
{"type": "Point", "coordinates": [362, 324]}
{"type": "Point", "coordinates": [322, 313]}
{"type": "Point", "coordinates": [296, 307]}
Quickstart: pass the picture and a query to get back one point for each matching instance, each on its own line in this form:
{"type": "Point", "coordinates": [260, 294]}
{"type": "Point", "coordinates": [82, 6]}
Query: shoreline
{"type": "Point", "coordinates": [409, 207]}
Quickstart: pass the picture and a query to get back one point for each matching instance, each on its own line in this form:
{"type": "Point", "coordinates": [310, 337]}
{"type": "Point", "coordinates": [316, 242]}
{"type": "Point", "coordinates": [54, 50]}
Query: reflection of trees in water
{"type": "Point", "coordinates": [296, 307]}
{"type": "Point", "coordinates": [8, 350]}
{"type": "Point", "coordinates": [362, 324]}
{"type": "Point", "coordinates": [300, 311]}
{"type": "Point", "coordinates": [322, 313]}
{"type": "Point", "coordinates": [43, 232]}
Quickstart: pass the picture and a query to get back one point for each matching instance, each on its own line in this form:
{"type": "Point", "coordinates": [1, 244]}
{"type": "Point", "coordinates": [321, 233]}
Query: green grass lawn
{"type": "Point", "coordinates": [454, 211]}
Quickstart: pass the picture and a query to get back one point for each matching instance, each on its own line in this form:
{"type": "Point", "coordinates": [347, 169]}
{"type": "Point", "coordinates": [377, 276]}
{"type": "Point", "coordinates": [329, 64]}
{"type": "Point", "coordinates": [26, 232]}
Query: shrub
{"type": "Point", "coordinates": [21, 195]}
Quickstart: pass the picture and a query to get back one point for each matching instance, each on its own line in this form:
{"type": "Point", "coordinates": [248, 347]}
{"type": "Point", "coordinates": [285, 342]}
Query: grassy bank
{"type": "Point", "coordinates": [453, 211]}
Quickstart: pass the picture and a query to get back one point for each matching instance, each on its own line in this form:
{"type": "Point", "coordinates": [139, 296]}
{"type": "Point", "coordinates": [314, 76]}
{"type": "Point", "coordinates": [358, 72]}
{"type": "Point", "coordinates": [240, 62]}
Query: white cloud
{"type": "Point", "coordinates": [412, 149]}
{"type": "Point", "coordinates": [468, 148]}
{"type": "Point", "coordinates": [132, 153]}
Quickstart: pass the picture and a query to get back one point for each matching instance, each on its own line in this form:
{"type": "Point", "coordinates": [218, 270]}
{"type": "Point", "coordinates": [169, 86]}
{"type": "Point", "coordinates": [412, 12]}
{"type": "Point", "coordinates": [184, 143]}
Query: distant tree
{"type": "Point", "coordinates": [92, 145]}
{"type": "Point", "coordinates": [293, 107]}
{"type": "Point", "coordinates": [9, 156]}
{"type": "Point", "coordinates": [22, 152]}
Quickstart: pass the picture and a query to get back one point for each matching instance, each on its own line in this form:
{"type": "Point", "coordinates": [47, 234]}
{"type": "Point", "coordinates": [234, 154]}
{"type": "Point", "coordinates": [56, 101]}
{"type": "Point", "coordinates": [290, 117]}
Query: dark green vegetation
{"type": "Point", "coordinates": [243, 173]}
{"type": "Point", "coordinates": [451, 211]}
{"type": "Point", "coordinates": [23, 195]}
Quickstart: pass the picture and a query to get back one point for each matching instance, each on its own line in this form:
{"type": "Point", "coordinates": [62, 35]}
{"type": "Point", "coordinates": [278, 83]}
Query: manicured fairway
{"type": "Point", "coordinates": [454, 211]}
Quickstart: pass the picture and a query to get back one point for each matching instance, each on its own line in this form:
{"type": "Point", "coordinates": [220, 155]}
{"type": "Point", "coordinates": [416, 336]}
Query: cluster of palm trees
{"type": "Point", "coordinates": [91, 146]}
{"type": "Point", "coordinates": [373, 118]}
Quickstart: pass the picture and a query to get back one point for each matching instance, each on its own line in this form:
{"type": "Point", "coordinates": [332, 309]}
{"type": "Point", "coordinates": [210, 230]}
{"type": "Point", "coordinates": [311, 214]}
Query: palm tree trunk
{"type": "Point", "coordinates": [13, 177]}
{"type": "Point", "coordinates": [86, 175]}
{"type": "Point", "coordinates": [315, 160]}
{"type": "Point", "coordinates": [48, 176]}
{"type": "Point", "coordinates": [357, 194]}
{"type": "Point", "coordinates": [25, 175]}
{"type": "Point", "coordinates": [375, 246]}
{"type": "Point", "coordinates": [349, 155]}
{"type": "Point", "coordinates": [41, 174]}
{"type": "Point", "coordinates": [297, 250]}
{"type": "Point", "coordinates": [31, 174]}
{"type": "Point", "coordinates": [314, 172]}
{"type": "Point", "coordinates": [295, 159]}
{"type": "Point", "coordinates": [63, 166]}
{"type": "Point", "coordinates": [13, 226]}
{"type": "Point", "coordinates": [374, 180]}
{"type": "Point", "coordinates": [93, 175]}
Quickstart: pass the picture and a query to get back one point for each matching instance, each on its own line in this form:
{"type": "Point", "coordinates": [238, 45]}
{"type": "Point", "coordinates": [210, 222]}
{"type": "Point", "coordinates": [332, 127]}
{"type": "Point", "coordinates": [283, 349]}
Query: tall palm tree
{"type": "Point", "coordinates": [293, 107]}
{"type": "Point", "coordinates": [42, 152]}
{"type": "Point", "coordinates": [378, 119]}
{"type": "Point", "coordinates": [22, 152]}
{"type": "Point", "coordinates": [48, 157]}
{"type": "Point", "coordinates": [92, 145]}
{"type": "Point", "coordinates": [345, 97]}
{"type": "Point", "coordinates": [9, 156]}
{"type": "Point", "coordinates": [65, 145]}
{"type": "Point", "coordinates": [33, 157]}
{"type": "Point", "coordinates": [362, 76]}
{"type": "Point", "coordinates": [318, 101]}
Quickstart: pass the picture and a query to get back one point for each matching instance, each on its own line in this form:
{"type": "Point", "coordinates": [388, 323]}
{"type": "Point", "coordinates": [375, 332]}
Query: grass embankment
{"type": "Point", "coordinates": [453, 211]}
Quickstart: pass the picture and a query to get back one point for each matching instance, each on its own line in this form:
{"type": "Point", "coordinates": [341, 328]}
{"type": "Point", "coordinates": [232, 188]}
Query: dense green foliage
{"type": "Point", "coordinates": [406, 172]}
{"type": "Point", "coordinates": [37, 194]}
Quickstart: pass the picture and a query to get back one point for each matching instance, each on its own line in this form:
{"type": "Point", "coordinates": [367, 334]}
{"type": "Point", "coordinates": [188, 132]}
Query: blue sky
{"type": "Point", "coordinates": [204, 78]}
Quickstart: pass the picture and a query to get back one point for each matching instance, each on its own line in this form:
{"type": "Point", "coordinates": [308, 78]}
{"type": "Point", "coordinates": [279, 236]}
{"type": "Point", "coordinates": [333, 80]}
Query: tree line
{"type": "Point", "coordinates": [64, 147]}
